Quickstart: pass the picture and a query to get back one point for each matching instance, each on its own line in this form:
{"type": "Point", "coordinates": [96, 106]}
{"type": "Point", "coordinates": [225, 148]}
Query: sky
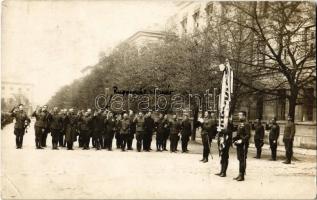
{"type": "Point", "coordinates": [47, 43]}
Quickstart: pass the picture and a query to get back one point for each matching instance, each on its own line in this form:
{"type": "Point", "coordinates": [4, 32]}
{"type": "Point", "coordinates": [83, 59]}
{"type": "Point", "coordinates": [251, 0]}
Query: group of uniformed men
{"type": "Point", "coordinates": [66, 127]}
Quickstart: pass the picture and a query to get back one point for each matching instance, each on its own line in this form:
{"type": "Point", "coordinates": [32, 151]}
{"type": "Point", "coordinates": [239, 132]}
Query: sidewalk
{"type": "Point", "coordinates": [266, 147]}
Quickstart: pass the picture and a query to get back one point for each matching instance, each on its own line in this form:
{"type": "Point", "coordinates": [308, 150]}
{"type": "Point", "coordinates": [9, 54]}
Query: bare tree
{"type": "Point", "coordinates": [283, 59]}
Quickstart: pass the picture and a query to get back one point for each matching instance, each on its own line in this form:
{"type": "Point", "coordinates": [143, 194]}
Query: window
{"type": "Point", "coordinates": [309, 40]}
{"type": "Point", "coordinates": [184, 25]}
{"type": "Point", "coordinates": [308, 104]}
{"type": "Point", "coordinates": [281, 105]}
{"type": "Point", "coordinates": [196, 18]}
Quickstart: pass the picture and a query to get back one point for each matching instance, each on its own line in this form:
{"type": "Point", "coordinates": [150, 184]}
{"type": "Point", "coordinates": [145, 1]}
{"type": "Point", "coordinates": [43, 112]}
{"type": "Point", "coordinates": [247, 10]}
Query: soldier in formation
{"type": "Point", "coordinates": [241, 140]}
{"type": "Point", "coordinates": [288, 139]}
{"type": "Point", "coordinates": [273, 137]}
{"type": "Point", "coordinates": [21, 122]}
{"type": "Point", "coordinates": [258, 137]}
{"type": "Point", "coordinates": [102, 126]}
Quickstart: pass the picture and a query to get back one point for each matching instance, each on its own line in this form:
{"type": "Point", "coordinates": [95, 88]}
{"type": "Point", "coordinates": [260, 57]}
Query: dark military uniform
{"type": "Point", "coordinates": [243, 134]}
{"type": "Point", "coordinates": [132, 130]}
{"type": "Point", "coordinates": [98, 130]}
{"type": "Point", "coordinates": [71, 126]}
{"type": "Point", "coordinates": [78, 131]}
{"type": "Point", "coordinates": [46, 128]}
{"type": "Point", "coordinates": [124, 131]}
{"type": "Point", "coordinates": [258, 138]}
{"type": "Point", "coordinates": [117, 134]}
{"type": "Point", "coordinates": [39, 127]}
{"type": "Point", "coordinates": [175, 128]}
{"type": "Point", "coordinates": [139, 122]}
{"type": "Point", "coordinates": [273, 137]}
{"type": "Point", "coordinates": [206, 136]}
{"type": "Point", "coordinates": [159, 125]}
{"type": "Point", "coordinates": [288, 138]}
{"type": "Point", "coordinates": [148, 128]}
{"type": "Point", "coordinates": [21, 121]}
{"type": "Point", "coordinates": [61, 141]}
{"type": "Point", "coordinates": [166, 132]}
{"type": "Point", "coordinates": [186, 132]}
{"type": "Point", "coordinates": [56, 123]}
{"type": "Point", "coordinates": [224, 143]}
{"type": "Point", "coordinates": [85, 129]}
{"type": "Point", "coordinates": [110, 124]}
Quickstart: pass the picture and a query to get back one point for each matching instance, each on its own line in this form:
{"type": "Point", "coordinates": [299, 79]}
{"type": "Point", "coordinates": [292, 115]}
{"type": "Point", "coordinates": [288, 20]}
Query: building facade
{"type": "Point", "coordinates": [197, 15]}
{"type": "Point", "coordinates": [14, 93]}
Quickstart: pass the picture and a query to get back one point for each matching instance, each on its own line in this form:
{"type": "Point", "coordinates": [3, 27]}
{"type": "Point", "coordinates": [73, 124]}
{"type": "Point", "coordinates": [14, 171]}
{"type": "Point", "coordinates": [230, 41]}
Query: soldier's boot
{"type": "Point", "coordinates": [221, 171]}
{"type": "Point", "coordinates": [224, 169]}
{"type": "Point", "coordinates": [241, 177]}
{"type": "Point", "coordinates": [259, 154]}
{"type": "Point", "coordinates": [236, 178]}
{"type": "Point", "coordinates": [206, 159]}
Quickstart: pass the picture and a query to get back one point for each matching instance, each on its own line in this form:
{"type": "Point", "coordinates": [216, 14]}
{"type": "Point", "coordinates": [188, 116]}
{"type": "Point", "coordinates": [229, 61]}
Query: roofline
{"type": "Point", "coordinates": [17, 83]}
{"type": "Point", "coordinates": [153, 33]}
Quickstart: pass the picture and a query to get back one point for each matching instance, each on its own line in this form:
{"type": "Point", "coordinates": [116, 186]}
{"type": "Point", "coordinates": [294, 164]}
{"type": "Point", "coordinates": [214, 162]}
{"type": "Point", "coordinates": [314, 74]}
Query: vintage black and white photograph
{"type": "Point", "coordinates": [158, 99]}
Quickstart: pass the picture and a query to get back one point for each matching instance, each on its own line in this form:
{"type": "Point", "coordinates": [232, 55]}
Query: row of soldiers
{"type": "Point", "coordinates": [102, 127]}
{"type": "Point", "coordinates": [227, 138]}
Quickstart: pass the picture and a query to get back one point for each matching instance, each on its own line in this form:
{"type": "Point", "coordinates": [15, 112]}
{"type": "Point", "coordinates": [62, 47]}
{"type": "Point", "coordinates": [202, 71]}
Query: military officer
{"type": "Point", "coordinates": [288, 139]}
{"type": "Point", "coordinates": [46, 126]}
{"type": "Point", "coordinates": [124, 130]}
{"type": "Point", "coordinates": [110, 123]}
{"type": "Point", "coordinates": [80, 135]}
{"type": "Point", "coordinates": [71, 126]}
{"type": "Point", "coordinates": [185, 133]}
{"type": "Point", "coordinates": [21, 122]}
{"type": "Point", "coordinates": [206, 129]}
{"type": "Point", "coordinates": [39, 126]}
{"type": "Point", "coordinates": [175, 128]}
{"type": "Point", "coordinates": [242, 143]}
{"type": "Point", "coordinates": [103, 142]}
{"type": "Point", "coordinates": [148, 128]}
{"type": "Point", "coordinates": [98, 128]}
{"type": "Point", "coordinates": [56, 122]}
{"type": "Point", "coordinates": [159, 126]}
{"type": "Point", "coordinates": [139, 122]}
{"type": "Point", "coordinates": [61, 141]}
{"type": "Point", "coordinates": [258, 137]}
{"type": "Point", "coordinates": [131, 130]}
{"type": "Point", "coordinates": [85, 128]}
{"type": "Point", "coordinates": [166, 130]}
{"type": "Point", "coordinates": [273, 137]}
{"type": "Point", "coordinates": [117, 131]}
{"type": "Point", "coordinates": [224, 143]}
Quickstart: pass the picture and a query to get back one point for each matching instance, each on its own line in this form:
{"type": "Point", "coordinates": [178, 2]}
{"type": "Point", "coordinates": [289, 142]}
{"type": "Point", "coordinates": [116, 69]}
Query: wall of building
{"type": "Point", "coordinates": [13, 93]}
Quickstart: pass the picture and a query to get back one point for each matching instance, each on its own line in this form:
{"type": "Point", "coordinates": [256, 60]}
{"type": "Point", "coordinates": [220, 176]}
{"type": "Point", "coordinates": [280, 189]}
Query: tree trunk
{"type": "Point", "coordinates": [195, 111]}
{"type": "Point", "coordinates": [292, 103]}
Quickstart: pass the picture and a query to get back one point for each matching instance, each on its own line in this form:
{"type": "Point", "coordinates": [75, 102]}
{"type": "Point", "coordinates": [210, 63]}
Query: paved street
{"type": "Point", "coordinates": [43, 174]}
